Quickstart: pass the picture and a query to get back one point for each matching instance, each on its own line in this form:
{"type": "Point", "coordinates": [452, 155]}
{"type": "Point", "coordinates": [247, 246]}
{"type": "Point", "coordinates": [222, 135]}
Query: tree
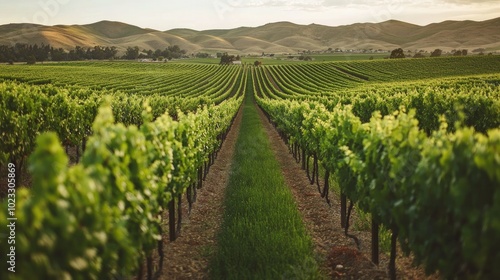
{"type": "Point", "coordinates": [436, 53]}
{"type": "Point", "coordinates": [174, 52]}
{"type": "Point", "coordinates": [418, 55]}
{"type": "Point", "coordinates": [397, 53]}
{"type": "Point", "coordinates": [202, 55]}
{"type": "Point", "coordinates": [257, 63]}
{"type": "Point", "coordinates": [58, 54]}
{"type": "Point", "coordinates": [98, 53]}
{"type": "Point", "coordinates": [459, 52]}
{"type": "Point", "coordinates": [31, 60]}
{"type": "Point", "coordinates": [88, 53]}
{"type": "Point", "coordinates": [110, 53]}
{"type": "Point", "coordinates": [80, 53]}
{"type": "Point", "coordinates": [41, 53]}
{"type": "Point", "coordinates": [132, 53]}
{"type": "Point", "coordinates": [226, 59]}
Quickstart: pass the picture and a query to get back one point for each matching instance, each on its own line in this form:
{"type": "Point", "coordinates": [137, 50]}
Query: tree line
{"type": "Point", "coordinates": [226, 59]}
{"type": "Point", "coordinates": [169, 53]}
{"type": "Point", "coordinates": [399, 53]}
{"type": "Point", "coordinates": [40, 53]}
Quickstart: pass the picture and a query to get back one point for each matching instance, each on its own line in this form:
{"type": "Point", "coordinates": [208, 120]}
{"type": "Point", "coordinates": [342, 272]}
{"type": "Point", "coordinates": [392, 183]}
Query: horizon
{"type": "Point", "coordinates": [230, 28]}
{"type": "Point", "coordinates": [230, 14]}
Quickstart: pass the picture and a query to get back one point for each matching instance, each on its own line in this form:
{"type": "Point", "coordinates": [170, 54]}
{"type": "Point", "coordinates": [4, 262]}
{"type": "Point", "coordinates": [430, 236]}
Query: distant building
{"type": "Point", "coordinates": [237, 62]}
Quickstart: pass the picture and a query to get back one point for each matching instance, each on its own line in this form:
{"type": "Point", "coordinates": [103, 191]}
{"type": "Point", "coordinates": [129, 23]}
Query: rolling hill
{"type": "Point", "coordinates": [279, 37]}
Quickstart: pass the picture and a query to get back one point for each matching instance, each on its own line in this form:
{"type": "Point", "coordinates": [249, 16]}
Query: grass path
{"type": "Point", "coordinates": [262, 235]}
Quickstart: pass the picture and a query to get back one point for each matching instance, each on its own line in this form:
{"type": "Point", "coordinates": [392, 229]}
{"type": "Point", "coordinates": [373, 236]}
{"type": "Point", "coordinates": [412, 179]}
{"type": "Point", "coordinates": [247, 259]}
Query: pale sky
{"type": "Point", "coordinates": [224, 14]}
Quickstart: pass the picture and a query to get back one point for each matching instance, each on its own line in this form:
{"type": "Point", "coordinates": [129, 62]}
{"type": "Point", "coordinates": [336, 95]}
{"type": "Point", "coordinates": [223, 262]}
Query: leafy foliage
{"type": "Point", "coordinates": [397, 53]}
{"type": "Point", "coordinates": [427, 174]}
{"type": "Point", "coordinates": [100, 218]}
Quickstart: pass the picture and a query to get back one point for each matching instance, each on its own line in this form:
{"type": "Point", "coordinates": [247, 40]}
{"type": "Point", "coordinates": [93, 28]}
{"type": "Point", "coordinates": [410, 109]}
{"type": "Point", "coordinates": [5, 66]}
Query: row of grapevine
{"type": "Point", "coordinates": [407, 169]}
{"type": "Point", "coordinates": [101, 218]}
{"type": "Point", "coordinates": [429, 175]}
{"type": "Point", "coordinates": [476, 97]}
{"type": "Point", "coordinates": [440, 194]}
{"type": "Point", "coordinates": [328, 78]}
{"type": "Point", "coordinates": [29, 110]}
{"type": "Point", "coordinates": [180, 80]}
{"type": "Point", "coordinates": [408, 70]}
{"type": "Point", "coordinates": [474, 100]}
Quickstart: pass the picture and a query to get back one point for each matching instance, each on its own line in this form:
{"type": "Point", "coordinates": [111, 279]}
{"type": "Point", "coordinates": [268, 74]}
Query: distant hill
{"type": "Point", "coordinates": [279, 37]}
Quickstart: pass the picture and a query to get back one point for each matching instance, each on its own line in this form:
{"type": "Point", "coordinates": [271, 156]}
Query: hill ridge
{"type": "Point", "coordinates": [275, 37]}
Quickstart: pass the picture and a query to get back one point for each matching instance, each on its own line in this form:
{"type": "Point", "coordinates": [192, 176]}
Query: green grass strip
{"type": "Point", "coordinates": [262, 235]}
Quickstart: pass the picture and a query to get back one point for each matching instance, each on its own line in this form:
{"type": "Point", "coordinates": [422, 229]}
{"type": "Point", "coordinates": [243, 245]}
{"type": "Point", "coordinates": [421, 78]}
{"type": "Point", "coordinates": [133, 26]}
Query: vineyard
{"type": "Point", "coordinates": [421, 156]}
{"type": "Point", "coordinates": [109, 150]}
{"type": "Point", "coordinates": [140, 153]}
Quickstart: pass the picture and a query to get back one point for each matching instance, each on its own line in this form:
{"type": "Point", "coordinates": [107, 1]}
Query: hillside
{"type": "Point", "coordinates": [279, 37]}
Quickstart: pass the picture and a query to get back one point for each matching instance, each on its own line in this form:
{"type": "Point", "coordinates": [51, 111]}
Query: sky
{"type": "Point", "coordinates": [226, 14]}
